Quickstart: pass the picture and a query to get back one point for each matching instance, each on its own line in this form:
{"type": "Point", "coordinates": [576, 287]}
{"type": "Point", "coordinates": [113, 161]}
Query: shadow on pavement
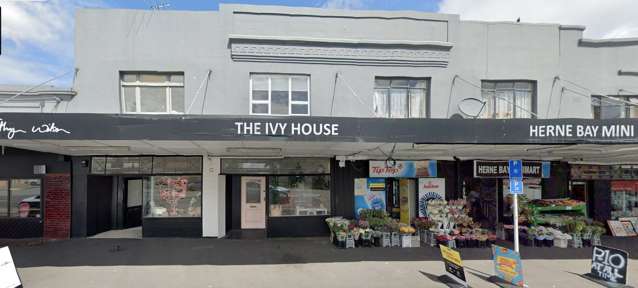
{"type": "Point", "coordinates": [205, 251]}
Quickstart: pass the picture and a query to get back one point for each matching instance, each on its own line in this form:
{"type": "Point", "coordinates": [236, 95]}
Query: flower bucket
{"type": "Point", "coordinates": [423, 234]}
{"type": "Point", "coordinates": [406, 241]}
{"type": "Point", "coordinates": [416, 241]}
{"type": "Point", "coordinates": [561, 243]}
{"type": "Point", "coordinates": [350, 242]}
{"type": "Point", "coordinates": [595, 240]}
{"type": "Point", "coordinates": [386, 240]}
{"type": "Point", "coordinates": [576, 241]}
{"type": "Point", "coordinates": [396, 240]}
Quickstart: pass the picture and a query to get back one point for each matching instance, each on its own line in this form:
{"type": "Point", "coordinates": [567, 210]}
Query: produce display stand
{"type": "Point", "coordinates": [580, 210]}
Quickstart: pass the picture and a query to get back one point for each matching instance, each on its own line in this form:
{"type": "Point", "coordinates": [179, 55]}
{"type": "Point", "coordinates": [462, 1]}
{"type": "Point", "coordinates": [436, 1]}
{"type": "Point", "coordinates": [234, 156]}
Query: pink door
{"type": "Point", "coordinates": [253, 202]}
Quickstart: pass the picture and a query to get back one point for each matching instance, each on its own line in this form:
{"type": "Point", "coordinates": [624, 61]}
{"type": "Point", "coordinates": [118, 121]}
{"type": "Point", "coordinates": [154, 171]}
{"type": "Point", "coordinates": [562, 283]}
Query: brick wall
{"type": "Point", "coordinates": [57, 206]}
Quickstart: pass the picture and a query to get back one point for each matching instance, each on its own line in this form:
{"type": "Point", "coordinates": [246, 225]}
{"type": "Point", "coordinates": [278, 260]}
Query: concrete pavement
{"type": "Point", "coordinates": [538, 273]}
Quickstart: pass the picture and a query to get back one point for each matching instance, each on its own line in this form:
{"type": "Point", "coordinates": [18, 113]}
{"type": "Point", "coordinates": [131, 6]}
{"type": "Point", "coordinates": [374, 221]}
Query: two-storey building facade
{"type": "Point", "coordinates": [260, 118]}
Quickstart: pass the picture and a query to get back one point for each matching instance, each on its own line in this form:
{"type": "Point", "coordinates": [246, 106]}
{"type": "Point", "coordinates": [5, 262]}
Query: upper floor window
{"type": "Point", "coordinates": [508, 99]}
{"type": "Point", "coordinates": [279, 94]}
{"type": "Point", "coordinates": [152, 92]}
{"type": "Point", "coordinates": [400, 97]}
{"type": "Point", "coordinates": [614, 107]}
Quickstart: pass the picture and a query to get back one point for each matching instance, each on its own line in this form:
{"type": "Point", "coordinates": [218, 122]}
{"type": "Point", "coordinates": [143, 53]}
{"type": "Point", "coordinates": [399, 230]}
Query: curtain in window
{"type": "Point", "coordinates": [381, 102]}
{"type": "Point", "coordinates": [398, 103]}
{"type": "Point", "coordinates": [417, 103]}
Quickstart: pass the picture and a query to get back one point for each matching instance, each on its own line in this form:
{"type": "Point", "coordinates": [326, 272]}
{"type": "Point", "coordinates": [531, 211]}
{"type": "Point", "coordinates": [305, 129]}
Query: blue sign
{"type": "Point", "coordinates": [516, 186]}
{"type": "Point", "coordinates": [516, 169]}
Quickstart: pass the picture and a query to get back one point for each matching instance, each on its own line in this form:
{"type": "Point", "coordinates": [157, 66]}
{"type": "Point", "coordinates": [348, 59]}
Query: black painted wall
{"type": "Point", "coordinates": [601, 204]}
{"type": "Point", "coordinates": [79, 197]}
{"type": "Point", "coordinates": [99, 208]}
{"type": "Point", "coordinates": [342, 186]}
{"type": "Point", "coordinates": [18, 163]}
{"type": "Point", "coordinates": [172, 227]}
{"type": "Point", "coordinates": [557, 186]}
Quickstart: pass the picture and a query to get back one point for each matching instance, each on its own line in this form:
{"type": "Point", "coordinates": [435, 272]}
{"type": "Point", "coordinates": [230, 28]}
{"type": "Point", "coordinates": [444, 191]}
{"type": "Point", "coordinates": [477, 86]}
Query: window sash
{"type": "Point", "coordinates": [138, 97]}
{"type": "Point", "coordinates": [386, 92]}
{"type": "Point", "coordinates": [603, 107]}
{"type": "Point", "coordinates": [508, 102]}
{"type": "Point", "coordinates": [268, 101]}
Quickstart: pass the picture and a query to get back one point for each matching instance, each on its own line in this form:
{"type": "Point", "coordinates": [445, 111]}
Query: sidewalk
{"type": "Point", "coordinates": [307, 262]}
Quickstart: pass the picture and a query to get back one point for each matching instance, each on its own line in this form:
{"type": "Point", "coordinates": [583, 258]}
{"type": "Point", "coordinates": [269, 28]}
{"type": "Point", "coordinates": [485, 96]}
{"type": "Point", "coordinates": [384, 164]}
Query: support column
{"type": "Point", "coordinates": [213, 198]}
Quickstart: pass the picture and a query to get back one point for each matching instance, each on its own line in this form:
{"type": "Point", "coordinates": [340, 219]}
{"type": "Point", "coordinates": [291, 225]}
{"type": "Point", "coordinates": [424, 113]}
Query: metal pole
{"type": "Point", "coordinates": [516, 223]}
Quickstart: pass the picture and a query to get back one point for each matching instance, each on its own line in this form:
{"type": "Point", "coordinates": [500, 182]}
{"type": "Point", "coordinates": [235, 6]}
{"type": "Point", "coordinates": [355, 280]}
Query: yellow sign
{"type": "Point", "coordinates": [451, 255]}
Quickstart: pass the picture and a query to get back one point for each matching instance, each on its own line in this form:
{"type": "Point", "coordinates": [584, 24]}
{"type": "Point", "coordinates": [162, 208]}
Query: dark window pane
{"type": "Point", "coordinates": [260, 108]}
{"type": "Point", "coordinates": [4, 198]}
{"type": "Point", "coordinates": [276, 166]}
{"type": "Point", "coordinates": [25, 198]}
{"type": "Point", "coordinates": [279, 102]}
{"type": "Point", "coordinates": [253, 192]}
{"type": "Point", "coordinates": [98, 165]}
{"type": "Point", "coordinates": [299, 109]}
{"type": "Point", "coordinates": [177, 165]}
{"type": "Point", "coordinates": [299, 195]}
{"type": "Point", "coordinates": [299, 96]}
{"type": "Point", "coordinates": [399, 83]}
{"type": "Point", "coordinates": [260, 95]}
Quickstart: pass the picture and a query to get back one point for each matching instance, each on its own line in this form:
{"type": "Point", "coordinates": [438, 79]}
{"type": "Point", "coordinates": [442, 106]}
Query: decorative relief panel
{"type": "Point", "coordinates": [422, 56]}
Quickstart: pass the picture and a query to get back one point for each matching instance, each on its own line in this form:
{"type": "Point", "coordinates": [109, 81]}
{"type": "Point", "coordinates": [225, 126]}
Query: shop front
{"type": "Point", "coordinates": [203, 176]}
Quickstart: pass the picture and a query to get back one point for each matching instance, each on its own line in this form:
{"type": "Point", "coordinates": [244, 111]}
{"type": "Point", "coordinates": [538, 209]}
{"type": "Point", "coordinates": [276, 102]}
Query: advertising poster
{"type": "Point", "coordinates": [507, 265]}
{"type": "Point", "coordinates": [403, 169]}
{"type": "Point", "coordinates": [429, 189]}
{"type": "Point", "coordinates": [369, 193]}
{"type": "Point", "coordinates": [8, 274]}
{"type": "Point", "coordinates": [453, 264]}
{"type": "Point", "coordinates": [609, 265]}
{"type": "Point", "coordinates": [407, 195]}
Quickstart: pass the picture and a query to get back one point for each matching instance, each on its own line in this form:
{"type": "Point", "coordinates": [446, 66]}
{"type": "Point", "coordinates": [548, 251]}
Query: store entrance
{"type": "Point", "coordinates": [253, 202]}
{"type": "Point", "coordinates": [133, 189]}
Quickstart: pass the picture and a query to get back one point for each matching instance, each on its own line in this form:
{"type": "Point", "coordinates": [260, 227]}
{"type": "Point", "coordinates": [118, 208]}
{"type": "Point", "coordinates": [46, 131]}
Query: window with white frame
{"type": "Point", "coordinates": [400, 97]}
{"type": "Point", "coordinates": [152, 92]}
{"type": "Point", "coordinates": [279, 94]}
{"type": "Point", "coordinates": [508, 99]}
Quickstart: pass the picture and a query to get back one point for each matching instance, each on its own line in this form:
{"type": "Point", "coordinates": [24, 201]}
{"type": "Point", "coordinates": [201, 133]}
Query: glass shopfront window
{"type": "Point", "coordinates": [24, 198]}
{"type": "Point", "coordinates": [173, 196]}
{"type": "Point", "coordinates": [4, 198]}
{"type": "Point", "coordinates": [299, 195]}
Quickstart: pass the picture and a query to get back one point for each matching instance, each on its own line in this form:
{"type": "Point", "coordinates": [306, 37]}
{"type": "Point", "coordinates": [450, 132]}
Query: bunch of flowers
{"type": "Point", "coordinates": [423, 223]}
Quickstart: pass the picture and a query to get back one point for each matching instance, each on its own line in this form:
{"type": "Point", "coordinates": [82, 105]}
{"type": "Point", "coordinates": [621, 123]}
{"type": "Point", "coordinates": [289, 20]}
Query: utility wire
{"type": "Point", "coordinates": [205, 80]}
{"type": "Point", "coordinates": [345, 83]}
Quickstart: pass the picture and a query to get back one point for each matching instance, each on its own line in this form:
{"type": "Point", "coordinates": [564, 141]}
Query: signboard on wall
{"type": "Point", "coordinates": [429, 189]}
{"type": "Point", "coordinates": [403, 169]}
{"type": "Point", "coordinates": [609, 265]}
{"type": "Point", "coordinates": [500, 169]}
{"type": "Point", "coordinates": [369, 193]}
{"type": "Point", "coordinates": [8, 274]}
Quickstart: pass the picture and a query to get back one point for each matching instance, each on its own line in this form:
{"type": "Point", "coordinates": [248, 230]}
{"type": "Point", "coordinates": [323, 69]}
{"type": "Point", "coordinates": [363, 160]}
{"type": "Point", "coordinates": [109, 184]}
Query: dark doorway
{"type": "Point", "coordinates": [99, 204]}
{"type": "Point", "coordinates": [133, 190]}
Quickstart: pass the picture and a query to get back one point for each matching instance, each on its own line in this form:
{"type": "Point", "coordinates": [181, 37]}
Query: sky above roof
{"type": "Point", "coordinates": [37, 35]}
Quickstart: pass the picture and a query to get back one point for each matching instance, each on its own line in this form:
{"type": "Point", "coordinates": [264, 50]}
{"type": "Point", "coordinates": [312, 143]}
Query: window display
{"type": "Point", "coordinates": [25, 198]}
{"type": "Point", "coordinates": [4, 198]}
{"type": "Point", "coordinates": [173, 196]}
{"type": "Point", "coordinates": [624, 199]}
{"type": "Point", "coordinates": [299, 195]}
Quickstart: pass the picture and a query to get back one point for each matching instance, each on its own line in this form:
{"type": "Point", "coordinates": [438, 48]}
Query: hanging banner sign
{"type": "Point", "coordinates": [609, 265]}
{"type": "Point", "coordinates": [403, 169]}
{"type": "Point", "coordinates": [429, 189]}
{"type": "Point", "coordinates": [453, 265]}
{"type": "Point", "coordinates": [8, 274]}
{"type": "Point", "coordinates": [369, 193]}
{"type": "Point", "coordinates": [500, 169]}
{"type": "Point", "coordinates": [508, 265]}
